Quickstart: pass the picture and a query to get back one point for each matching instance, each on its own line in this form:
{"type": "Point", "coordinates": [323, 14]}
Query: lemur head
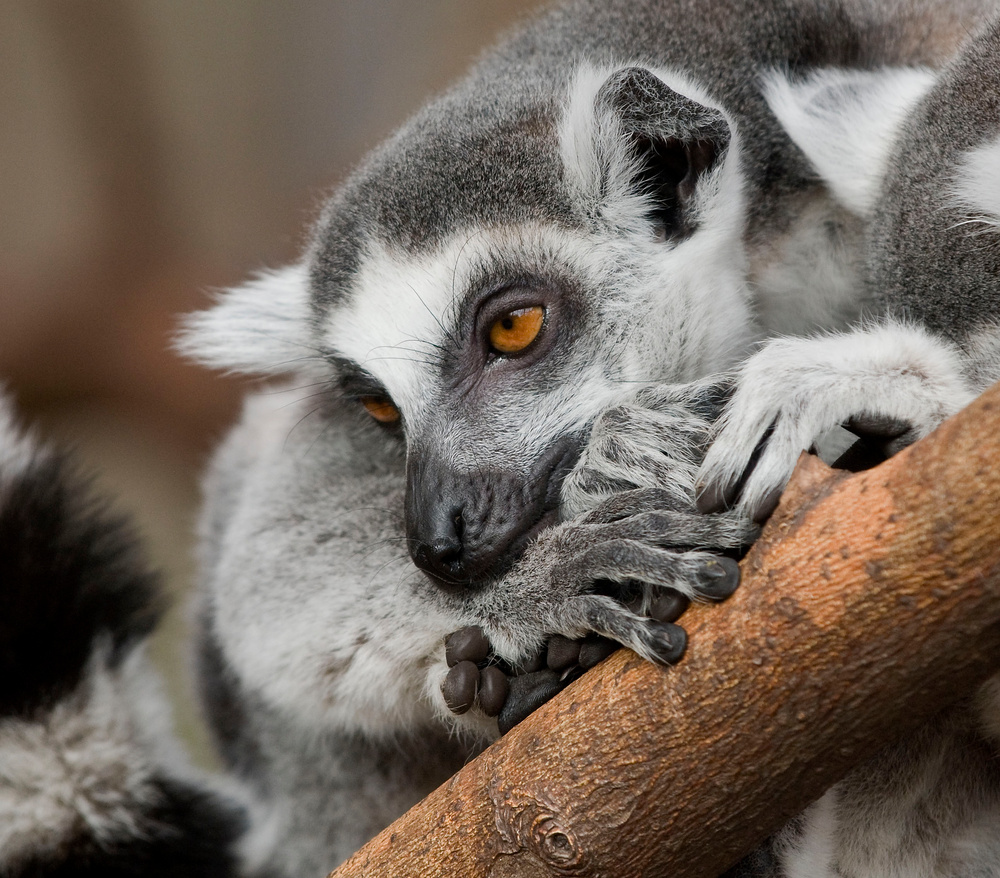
{"type": "Point", "coordinates": [515, 259]}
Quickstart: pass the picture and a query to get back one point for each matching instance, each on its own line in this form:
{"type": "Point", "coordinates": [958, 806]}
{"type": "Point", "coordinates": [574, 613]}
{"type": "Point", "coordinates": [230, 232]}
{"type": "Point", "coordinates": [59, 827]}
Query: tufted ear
{"type": "Point", "coordinates": [260, 328]}
{"type": "Point", "coordinates": [636, 144]}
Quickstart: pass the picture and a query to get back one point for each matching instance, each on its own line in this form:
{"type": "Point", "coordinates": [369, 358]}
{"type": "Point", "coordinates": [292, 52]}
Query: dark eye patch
{"type": "Point", "coordinates": [362, 387]}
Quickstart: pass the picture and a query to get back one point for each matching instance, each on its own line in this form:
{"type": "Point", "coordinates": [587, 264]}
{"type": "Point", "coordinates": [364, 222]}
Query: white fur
{"type": "Point", "coordinates": [805, 386]}
{"type": "Point", "coordinates": [307, 624]}
{"type": "Point", "coordinates": [404, 309]}
{"type": "Point", "coordinates": [812, 856]}
{"type": "Point", "coordinates": [846, 122]}
{"type": "Point", "coordinates": [976, 187]}
{"type": "Point", "coordinates": [595, 154]}
{"type": "Point", "coordinates": [260, 328]}
{"type": "Point", "coordinates": [82, 767]}
{"type": "Point", "coordinates": [399, 314]}
{"type": "Point", "coordinates": [601, 167]}
{"type": "Point", "coordinates": [803, 280]}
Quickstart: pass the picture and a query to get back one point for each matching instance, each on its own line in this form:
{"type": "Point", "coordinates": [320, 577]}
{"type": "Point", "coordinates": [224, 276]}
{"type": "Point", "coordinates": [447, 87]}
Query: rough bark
{"type": "Point", "coordinates": [870, 602]}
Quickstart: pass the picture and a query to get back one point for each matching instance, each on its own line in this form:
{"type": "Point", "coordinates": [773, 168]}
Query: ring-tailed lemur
{"type": "Point", "coordinates": [505, 351]}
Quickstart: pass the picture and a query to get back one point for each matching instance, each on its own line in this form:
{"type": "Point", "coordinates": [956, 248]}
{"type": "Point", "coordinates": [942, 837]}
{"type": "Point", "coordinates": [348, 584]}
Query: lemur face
{"type": "Point", "coordinates": [489, 337]}
{"type": "Point", "coordinates": [488, 358]}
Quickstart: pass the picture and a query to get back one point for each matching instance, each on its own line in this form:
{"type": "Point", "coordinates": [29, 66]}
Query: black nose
{"type": "Point", "coordinates": [467, 526]}
{"type": "Point", "coordinates": [437, 546]}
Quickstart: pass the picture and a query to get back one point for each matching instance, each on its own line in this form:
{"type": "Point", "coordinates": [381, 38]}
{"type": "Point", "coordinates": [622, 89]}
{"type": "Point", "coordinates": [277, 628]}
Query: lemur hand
{"type": "Point", "coordinates": [613, 576]}
{"type": "Point", "coordinates": [620, 572]}
{"type": "Point", "coordinates": [889, 385]}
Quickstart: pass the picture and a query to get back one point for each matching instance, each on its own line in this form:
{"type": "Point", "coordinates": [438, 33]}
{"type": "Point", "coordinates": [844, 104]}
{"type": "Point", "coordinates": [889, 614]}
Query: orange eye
{"type": "Point", "coordinates": [381, 409]}
{"type": "Point", "coordinates": [513, 332]}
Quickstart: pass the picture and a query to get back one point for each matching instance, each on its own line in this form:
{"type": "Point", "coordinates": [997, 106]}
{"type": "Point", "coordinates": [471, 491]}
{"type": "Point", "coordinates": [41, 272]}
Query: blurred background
{"type": "Point", "coordinates": [152, 150]}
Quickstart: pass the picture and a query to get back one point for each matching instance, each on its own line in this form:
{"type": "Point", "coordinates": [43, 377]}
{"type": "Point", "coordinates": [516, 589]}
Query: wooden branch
{"type": "Point", "coordinates": [870, 603]}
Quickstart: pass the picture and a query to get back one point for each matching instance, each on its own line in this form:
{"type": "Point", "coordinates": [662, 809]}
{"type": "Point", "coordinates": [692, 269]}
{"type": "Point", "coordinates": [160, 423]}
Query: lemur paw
{"type": "Point", "coordinates": [479, 678]}
{"type": "Point", "coordinates": [655, 438]}
{"type": "Point", "coordinates": [620, 572]}
{"type": "Point", "coordinates": [603, 573]}
{"type": "Point", "coordinates": [888, 385]}
{"type": "Point", "coordinates": [613, 577]}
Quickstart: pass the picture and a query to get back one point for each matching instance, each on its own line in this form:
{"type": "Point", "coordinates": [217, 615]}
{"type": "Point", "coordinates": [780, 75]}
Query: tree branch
{"type": "Point", "coordinates": [870, 603]}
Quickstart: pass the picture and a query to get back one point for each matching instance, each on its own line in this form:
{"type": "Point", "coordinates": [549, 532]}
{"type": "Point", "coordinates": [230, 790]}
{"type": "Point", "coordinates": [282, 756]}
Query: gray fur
{"type": "Point", "coordinates": [921, 242]}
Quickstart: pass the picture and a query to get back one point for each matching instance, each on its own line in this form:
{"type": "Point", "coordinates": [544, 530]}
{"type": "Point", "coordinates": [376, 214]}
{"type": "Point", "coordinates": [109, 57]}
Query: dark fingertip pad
{"type": "Point", "coordinates": [527, 693]}
{"type": "Point", "coordinates": [493, 690]}
{"type": "Point", "coordinates": [860, 456]}
{"type": "Point", "coordinates": [668, 642]}
{"type": "Point", "coordinates": [562, 652]}
{"type": "Point", "coordinates": [668, 606]}
{"type": "Point", "coordinates": [460, 687]}
{"type": "Point", "coordinates": [718, 498]}
{"type": "Point", "coordinates": [880, 426]}
{"type": "Point", "coordinates": [595, 650]}
{"type": "Point", "coordinates": [718, 578]}
{"type": "Point", "coordinates": [468, 644]}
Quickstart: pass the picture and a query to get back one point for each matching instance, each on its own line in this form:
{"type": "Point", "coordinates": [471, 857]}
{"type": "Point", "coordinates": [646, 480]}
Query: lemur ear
{"type": "Point", "coordinates": [847, 121]}
{"type": "Point", "coordinates": [260, 328]}
{"type": "Point", "coordinates": [648, 142]}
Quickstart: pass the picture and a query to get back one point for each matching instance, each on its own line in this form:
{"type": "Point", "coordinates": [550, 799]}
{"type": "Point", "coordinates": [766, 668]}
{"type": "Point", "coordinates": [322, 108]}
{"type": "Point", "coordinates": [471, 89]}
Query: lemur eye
{"type": "Point", "coordinates": [515, 330]}
{"type": "Point", "coordinates": [381, 409]}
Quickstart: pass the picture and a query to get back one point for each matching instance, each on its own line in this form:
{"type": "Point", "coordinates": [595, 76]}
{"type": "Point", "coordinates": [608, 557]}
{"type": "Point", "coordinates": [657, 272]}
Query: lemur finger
{"type": "Point", "coordinates": [594, 649]}
{"type": "Point", "coordinates": [500, 691]}
{"type": "Point", "coordinates": [665, 642]}
{"type": "Point", "coordinates": [635, 502]}
{"type": "Point", "coordinates": [708, 400]}
{"type": "Point", "coordinates": [562, 652]}
{"type": "Point", "coordinates": [762, 486]}
{"type": "Point", "coordinates": [679, 530]}
{"type": "Point", "coordinates": [762, 509]}
{"type": "Point", "coordinates": [703, 399]}
{"type": "Point", "coordinates": [667, 605]}
{"type": "Point", "coordinates": [467, 644]}
{"type": "Point", "coordinates": [494, 688]}
{"type": "Point", "coordinates": [694, 574]}
{"type": "Point", "coordinates": [662, 643]}
{"type": "Point", "coordinates": [719, 490]}
{"type": "Point", "coordinates": [889, 434]}
{"type": "Point", "coordinates": [860, 456]}
{"type": "Point", "coordinates": [662, 604]}
{"type": "Point", "coordinates": [460, 687]}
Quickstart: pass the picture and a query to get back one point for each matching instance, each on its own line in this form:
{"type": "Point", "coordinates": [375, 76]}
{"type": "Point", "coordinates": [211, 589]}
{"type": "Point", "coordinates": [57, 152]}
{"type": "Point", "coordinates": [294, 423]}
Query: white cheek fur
{"type": "Point", "coordinates": [975, 190]}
